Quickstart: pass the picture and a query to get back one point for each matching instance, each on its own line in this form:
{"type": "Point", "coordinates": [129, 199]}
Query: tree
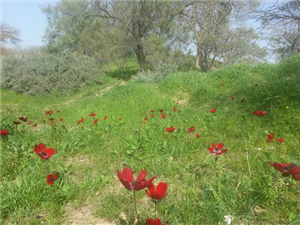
{"type": "Point", "coordinates": [8, 35]}
{"type": "Point", "coordinates": [282, 20]}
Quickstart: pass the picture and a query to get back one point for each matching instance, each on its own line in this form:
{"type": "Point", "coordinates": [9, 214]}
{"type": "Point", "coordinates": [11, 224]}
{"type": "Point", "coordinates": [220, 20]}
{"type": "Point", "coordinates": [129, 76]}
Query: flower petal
{"type": "Point", "coordinates": [128, 174]}
{"type": "Point", "coordinates": [162, 188]}
{"type": "Point", "coordinates": [220, 146]}
{"type": "Point", "coordinates": [142, 175]}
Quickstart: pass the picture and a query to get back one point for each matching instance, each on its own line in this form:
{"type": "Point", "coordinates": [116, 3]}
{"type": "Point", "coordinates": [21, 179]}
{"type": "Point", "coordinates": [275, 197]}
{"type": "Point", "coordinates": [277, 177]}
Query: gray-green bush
{"type": "Point", "coordinates": [49, 74]}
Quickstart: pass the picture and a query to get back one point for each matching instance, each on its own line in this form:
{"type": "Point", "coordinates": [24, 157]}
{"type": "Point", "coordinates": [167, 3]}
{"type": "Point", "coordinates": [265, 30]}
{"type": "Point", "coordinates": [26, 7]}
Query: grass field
{"type": "Point", "coordinates": [203, 187]}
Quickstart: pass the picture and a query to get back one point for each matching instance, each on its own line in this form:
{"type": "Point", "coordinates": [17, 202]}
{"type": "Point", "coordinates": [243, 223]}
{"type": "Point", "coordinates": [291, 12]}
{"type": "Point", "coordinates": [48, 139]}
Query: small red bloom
{"type": "Point", "coordinates": [161, 110]}
{"type": "Point", "coordinates": [197, 135]}
{"type": "Point", "coordinates": [51, 178]}
{"type": "Point", "coordinates": [4, 132]}
{"type": "Point", "coordinates": [152, 115]}
{"type": "Point", "coordinates": [170, 129]}
{"type": "Point", "coordinates": [30, 122]}
{"type": "Point", "coordinates": [43, 152]}
{"type": "Point", "coordinates": [223, 84]}
{"type": "Point", "coordinates": [24, 119]}
{"type": "Point", "coordinates": [159, 192]}
{"type": "Point", "coordinates": [105, 118]}
{"type": "Point", "coordinates": [16, 122]}
{"type": "Point", "coordinates": [270, 137]}
{"type": "Point", "coordinates": [34, 125]}
{"type": "Point", "coordinates": [287, 169]}
{"type": "Point", "coordinates": [243, 100]}
{"type": "Point", "coordinates": [52, 119]}
{"type": "Point", "coordinates": [120, 118]}
{"type": "Point", "coordinates": [58, 111]}
{"type": "Point", "coordinates": [217, 149]}
{"type": "Point", "coordinates": [213, 110]}
{"type": "Point", "coordinates": [61, 119]}
{"type": "Point", "coordinates": [232, 98]}
{"type": "Point", "coordinates": [48, 112]}
{"type": "Point", "coordinates": [163, 116]}
{"type": "Point", "coordinates": [191, 129]}
{"type": "Point", "coordinates": [154, 222]}
{"type": "Point", "coordinates": [145, 118]}
{"type": "Point", "coordinates": [126, 178]}
{"type": "Point", "coordinates": [259, 113]}
{"type": "Point", "coordinates": [152, 110]}
{"type": "Point", "coordinates": [175, 110]}
{"type": "Point", "coordinates": [280, 140]}
{"type": "Point", "coordinates": [144, 122]}
{"type": "Point", "coordinates": [95, 121]}
{"type": "Point", "coordinates": [80, 121]}
{"type": "Point", "coordinates": [92, 114]}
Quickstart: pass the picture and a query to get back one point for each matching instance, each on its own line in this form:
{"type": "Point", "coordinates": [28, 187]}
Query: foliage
{"type": "Point", "coordinates": [49, 74]}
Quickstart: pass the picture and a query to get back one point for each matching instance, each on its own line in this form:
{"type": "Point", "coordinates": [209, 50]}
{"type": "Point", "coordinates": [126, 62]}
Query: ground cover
{"type": "Point", "coordinates": [169, 129]}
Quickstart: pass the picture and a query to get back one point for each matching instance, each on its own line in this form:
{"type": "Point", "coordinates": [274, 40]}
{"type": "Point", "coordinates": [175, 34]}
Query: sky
{"type": "Point", "coordinates": [27, 16]}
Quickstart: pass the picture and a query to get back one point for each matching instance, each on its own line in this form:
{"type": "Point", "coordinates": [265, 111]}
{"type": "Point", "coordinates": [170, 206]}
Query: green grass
{"type": "Point", "coordinates": [203, 188]}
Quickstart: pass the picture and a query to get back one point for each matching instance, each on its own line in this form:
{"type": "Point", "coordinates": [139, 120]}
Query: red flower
{"type": "Point", "coordinates": [213, 110]}
{"type": "Point", "coordinates": [92, 114]}
{"type": "Point", "coordinates": [152, 110]}
{"type": "Point", "coordinates": [105, 118]}
{"type": "Point", "coordinates": [270, 137]}
{"type": "Point", "coordinates": [16, 123]}
{"type": "Point", "coordinates": [95, 121]}
{"type": "Point", "coordinates": [217, 149]}
{"type": "Point", "coordinates": [144, 122]}
{"type": "Point", "coordinates": [243, 100]}
{"type": "Point", "coordinates": [61, 119]}
{"type": "Point", "coordinates": [80, 121]}
{"type": "Point", "coordinates": [280, 140]}
{"type": "Point", "coordinates": [191, 129]}
{"type": "Point", "coordinates": [126, 178]}
{"type": "Point", "coordinates": [43, 152]}
{"type": "Point", "coordinates": [154, 222]}
{"type": "Point", "coordinates": [161, 110]}
{"type": "Point", "coordinates": [232, 98]}
{"type": "Point", "coordinates": [223, 84]}
{"type": "Point", "coordinates": [170, 129]}
{"type": "Point", "coordinates": [145, 118]}
{"type": "Point", "coordinates": [48, 112]}
{"type": "Point", "coordinates": [197, 135]}
{"type": "Point", "coordinates": [163, 116]}
{"type": "Point", "coordinates": [30, 122]}
{"type": "Point", "coordinates": [51, 178]}
{"type": "Point", "coordinates": [159, 193]}
{"type": "Point", "coordinates": [259, 113]}
{"type": "Point", "coordinates": [120, 118]}
{"type": "Point", "coordinates": [34, 125]}
{"type": "Point", "coordinates": [4, 132]}
{"type": "Point", "coordinates": [24, 119]}
{"type": "Point", "coordinates": [152, 115]}
{"type": "Point", "coordinates": [175, 110]}
{"type": "Point", "coordinates": [287, 169]}
{"type": "Point", "coordinates": [58, 111]}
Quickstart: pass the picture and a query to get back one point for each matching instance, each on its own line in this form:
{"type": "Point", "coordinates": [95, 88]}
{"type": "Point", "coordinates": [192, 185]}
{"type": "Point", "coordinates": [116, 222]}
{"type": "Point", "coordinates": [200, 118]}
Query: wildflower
{"type": "Point", "coordinates": [161, 110]}
{"type": "Point", "coordinates": [144, 122]}
{"type": "Point", "coordinates": [120, 118]}
{"type": "Point", "coordinates": [287, 169]}
{"type": "Point", "coordinates": [232, 98]}
{"type": "Point", "coordinates": [34, 125]}
{"type": "Point", "coordinates": [159, 192]}
{"type": "Point", "coordinates": [152, 115]}
{"type": "Point", "coordinates": [170, 129]}
{"type": "Point", "coordinates": [61, 119]}
{"type": "Point", "coordinates": [105, 118]}
{"type": "Point", "coordinates": [217, 149]}
{"type": "Point", "coordinates": [30, 122]}
{"type": "Point", "coordinates": [213, 110]}
{"type": "Point", "coordinates": [242, 100]}
{"type": "Point", "coordinates": [58, 111]}
{"type": "Point", "coordinates": [145, 118]}
{"type": "Point", "coordinates": [191, 129]}
{"type": "Point", "coordinates": [223, 84]}
{"type": "Point", "coordinates": [95, 121]}
{"type": "Point", "coordinates": [126, 178]}
{"type": "Point", "coordinates": [259, 113]}
{"type": "Point", "coordinates": [287, 107]}
{"type": "Point", "coordinates": [51, 178]}
{"type": "Point", "coordinates": [280, 140]}
{"type": "Point", "coordinates": [49, 112]}
{"type": "Point", "coordinates": [43, 152]}
{"type": "Point", "coordinates": [175, 110]}
{"type": "Point", "coordinates": [17, 123]}
{"type": "Point", "coordinates": [24, 119]}
{"type": "Point", "coordinates": [4, 132]}
{"type": "Point", "coordinates": [270, 137]}
{"type": "Point", "coordinates": [80, 121]}
{"type": "Point", "coordinates": [163, 116]}
{"type": "Point", "coordinates": [197, 135]}
{"type": "Point", "coordinates": [154, 222]}
{"type": "Point", "coordinates": [92, 114]}
{"type": "Point", "coordinates": [152, 110]}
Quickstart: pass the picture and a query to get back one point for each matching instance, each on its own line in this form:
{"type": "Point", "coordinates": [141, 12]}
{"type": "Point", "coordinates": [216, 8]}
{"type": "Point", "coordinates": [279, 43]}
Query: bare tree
{"type": "Point", "coordinates": [9, 34]}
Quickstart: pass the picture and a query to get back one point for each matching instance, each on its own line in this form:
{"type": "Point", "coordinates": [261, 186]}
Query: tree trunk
{"type": "Point", "coordinates": [141, 56]}
{"type": "Point", "coordinates": [198, 58]}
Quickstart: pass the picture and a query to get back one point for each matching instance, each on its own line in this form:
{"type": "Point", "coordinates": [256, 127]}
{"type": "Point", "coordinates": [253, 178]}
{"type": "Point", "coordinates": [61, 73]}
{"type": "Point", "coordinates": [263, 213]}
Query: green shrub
{"type": "Point", "coordinates": [49, 74]}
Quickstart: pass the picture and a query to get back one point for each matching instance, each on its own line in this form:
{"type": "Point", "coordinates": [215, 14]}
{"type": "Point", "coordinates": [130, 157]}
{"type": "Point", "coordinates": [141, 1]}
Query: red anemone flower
{"type": "Point", "coordinates": [161, 110]}
{"type": "Point", "coordinates": [24, 119]}
{"type": "Point", "coordinates": [92, 114]}
{"type": "Point", "coordinates": [126, 178]}
{"type": "Point", "coordinates": [191, 129]}
{"type": "Point", "coordinates": [175, 110]}
{"type": "Point", "coordinates": [152, 115]}
{"type": "Point", "coordinates": [80, 121]}
{"type": "Point", "coordinates": [120, 118]}
{"type": "Point", "coordinates": [48, 112]}
{"type": "Point", "coordinates": [4, 132]}
{"type": "Point", "coordinates": [170, 129]}
{"type": "Point", "coordinates": [163, 116]}
{"type": "Point", "coordinates": [152, 110]}
{"type": "Point", "coordinates": [51, 178]}
{"type": "Point", "coordinates": [145, 118]}
{"type": "Point", "coordinates": [154, 222]}
{"type": "Point", "coordinates": [16, 122]}
{"type": "Point", "coordinates": [232, 98]}
{"type": "Point", "coordinates": [270, 137]}
{"type": "Point", "coordinates": [61, 119]}
{"type": "Point", "coordinates": [43, 152]}
{"type": "Point", "coordinates": [58, 111]}
{"type": "Point", "coordinates": [242, 100]}
{"type": "Point", "coordinates": [217, 149]}
{"type": "Point", "coordinates": [223, 84]}
{"type": "Point", "coordinates": [105, 118]}
{"type": "Point", "coordinates": [159, 192]}
{"type": "Point", "coordinates": [144, 122]}
{"type": "Point", "coordinates": [280, 140]}
{"type": "Point", "coordinates": [213, 110]}
{"type": "Point", "coordinates": [34, 125]}
{"type": "Point", "coordinates": [259, 113]}
{"type": "Point", "coordinates": [197, 135]}
{"type": "Point", "coordinates": [95, 121]}
{"type": "Point", "coordinates": [287, 169]}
